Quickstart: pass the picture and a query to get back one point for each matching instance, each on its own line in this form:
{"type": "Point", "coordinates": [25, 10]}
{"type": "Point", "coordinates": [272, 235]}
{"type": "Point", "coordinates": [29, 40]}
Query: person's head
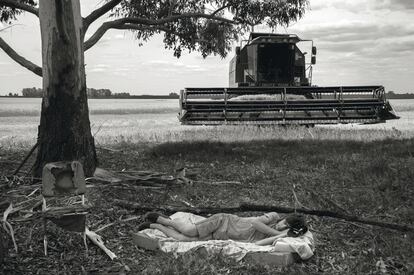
{"type": "Point", "coordinates": [295, 223]}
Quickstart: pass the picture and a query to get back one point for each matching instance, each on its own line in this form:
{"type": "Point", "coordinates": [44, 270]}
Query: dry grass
{"type": "Point", "coordinates": [107, 135]}
{"type": "Point", "coordinates": [369, 179]}
{"type": "Point", "coordinates": [250, 133]}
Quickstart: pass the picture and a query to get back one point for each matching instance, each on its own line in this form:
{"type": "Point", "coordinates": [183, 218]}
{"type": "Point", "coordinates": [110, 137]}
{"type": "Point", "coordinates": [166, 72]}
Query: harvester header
{"type": "Point", "coordinates": [270, 82]}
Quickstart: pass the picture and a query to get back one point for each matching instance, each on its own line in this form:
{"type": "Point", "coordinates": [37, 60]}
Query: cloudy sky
{"type": "Point", "coordinates": [360, 42]}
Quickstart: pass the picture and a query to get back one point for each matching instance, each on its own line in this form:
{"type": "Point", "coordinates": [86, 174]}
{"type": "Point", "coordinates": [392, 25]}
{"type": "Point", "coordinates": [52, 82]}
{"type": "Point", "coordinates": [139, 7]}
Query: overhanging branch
{"type": "Point", "coordinates": [88, 20]}
{"type": "Point", "coordinates": [153, 28]}
{"type": "Point", "coordinates": [139, 27]}
{"type": "Point", "coordinates": [220, 9]}
{"type": "Point", "coordinates": [20, 6]}
{"type": "Point", "coordinates": [19, 59]}
{"type": "Point", "coordinates": [136, 21]}
{"type": "Point", "coordinates": [98, 34]}
{"type": "Point", "coordinates": [172, 18]}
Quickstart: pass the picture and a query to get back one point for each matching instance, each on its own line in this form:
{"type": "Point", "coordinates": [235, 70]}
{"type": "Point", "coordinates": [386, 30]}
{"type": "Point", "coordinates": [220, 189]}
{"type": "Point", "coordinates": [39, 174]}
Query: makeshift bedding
{"type": "Point", "coordinates": [303, 246]}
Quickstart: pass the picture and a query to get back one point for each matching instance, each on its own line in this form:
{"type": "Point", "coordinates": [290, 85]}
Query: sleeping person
{"type": "Point", "coordinates": [262, 230]}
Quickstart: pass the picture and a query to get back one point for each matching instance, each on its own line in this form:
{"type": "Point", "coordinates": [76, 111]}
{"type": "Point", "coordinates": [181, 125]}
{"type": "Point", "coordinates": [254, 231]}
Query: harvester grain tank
{"type": "Point", "coordinates": [270, 82]}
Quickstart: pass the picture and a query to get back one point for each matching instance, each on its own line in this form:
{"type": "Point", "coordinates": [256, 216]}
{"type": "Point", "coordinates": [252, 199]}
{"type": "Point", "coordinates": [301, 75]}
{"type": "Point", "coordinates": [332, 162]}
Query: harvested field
{"type": "Point", "coordinates": [155, 121]}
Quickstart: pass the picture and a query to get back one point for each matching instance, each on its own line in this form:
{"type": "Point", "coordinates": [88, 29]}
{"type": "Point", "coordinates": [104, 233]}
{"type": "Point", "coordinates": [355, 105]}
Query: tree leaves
{"type": "Point", "coordinates": [8, 14]}
{"type": "Point", "coordinates": [207, 26]}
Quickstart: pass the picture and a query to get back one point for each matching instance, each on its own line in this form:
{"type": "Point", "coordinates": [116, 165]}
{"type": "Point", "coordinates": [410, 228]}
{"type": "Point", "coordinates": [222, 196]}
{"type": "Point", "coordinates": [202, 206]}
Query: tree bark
{"type": "Point", "coordinates": [64, 130]}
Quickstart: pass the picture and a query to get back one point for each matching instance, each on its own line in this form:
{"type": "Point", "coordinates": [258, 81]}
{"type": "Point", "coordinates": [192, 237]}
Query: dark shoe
{"type": "Point", "coordinates": [153, 216]}
{"type": "Point", "coordinates": [144, 225]}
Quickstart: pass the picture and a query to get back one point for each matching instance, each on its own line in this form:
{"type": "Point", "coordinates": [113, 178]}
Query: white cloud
{"type": "Point", "coordinates": [358, 6]}
{"type": "Point", "coordinates": [394, 4]}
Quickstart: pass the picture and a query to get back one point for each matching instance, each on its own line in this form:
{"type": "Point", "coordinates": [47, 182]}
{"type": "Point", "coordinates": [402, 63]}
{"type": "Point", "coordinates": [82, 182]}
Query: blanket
{"type": "Point", "coordinates": [303, 245]}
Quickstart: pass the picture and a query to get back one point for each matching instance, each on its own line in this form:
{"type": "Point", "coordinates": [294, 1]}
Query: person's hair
{"type": "Point", "coordinates": [297, 225]}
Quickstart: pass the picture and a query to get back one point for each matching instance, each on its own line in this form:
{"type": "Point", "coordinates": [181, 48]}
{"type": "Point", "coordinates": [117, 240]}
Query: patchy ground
{"type": "Point", "coordinates": [373, 180]}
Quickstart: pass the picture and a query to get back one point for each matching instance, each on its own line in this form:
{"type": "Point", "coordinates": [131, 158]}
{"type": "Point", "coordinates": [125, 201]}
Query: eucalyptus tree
{"type": "Point", "coordinates": [206, 26]}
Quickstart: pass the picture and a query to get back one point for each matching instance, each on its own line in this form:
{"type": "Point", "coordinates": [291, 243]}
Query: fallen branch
{"type": "Point", "coordinates": [263, 208]}
{"type": "Point", "coordinates": [97, 240]}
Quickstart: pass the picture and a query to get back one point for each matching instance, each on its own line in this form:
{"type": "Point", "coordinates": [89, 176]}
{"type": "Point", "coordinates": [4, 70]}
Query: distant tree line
{"type": "Point", "coordinates": [392, 95]}
{"type": "Point", "coordinates": [93, 93]}
{"type": "Point", "coordinates": [106, 93]}
{"type": "Point", "coordinates": [32, 92]}
{"type": "Point", "coordinates": [12, 95]}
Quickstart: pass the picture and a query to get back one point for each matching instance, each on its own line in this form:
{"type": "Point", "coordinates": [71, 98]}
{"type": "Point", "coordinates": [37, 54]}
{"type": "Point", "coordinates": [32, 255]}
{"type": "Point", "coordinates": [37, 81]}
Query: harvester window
{"type": "Point", "coordinates": [275, 63]}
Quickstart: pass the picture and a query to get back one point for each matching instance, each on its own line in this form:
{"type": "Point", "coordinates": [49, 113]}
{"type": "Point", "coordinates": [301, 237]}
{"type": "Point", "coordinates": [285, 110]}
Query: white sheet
{"type": "Point", "coordinates": [303, 246]}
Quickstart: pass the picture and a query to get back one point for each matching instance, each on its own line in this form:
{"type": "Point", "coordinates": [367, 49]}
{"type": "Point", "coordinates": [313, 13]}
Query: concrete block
{"type": "Point", "coordinates": [64, 178]}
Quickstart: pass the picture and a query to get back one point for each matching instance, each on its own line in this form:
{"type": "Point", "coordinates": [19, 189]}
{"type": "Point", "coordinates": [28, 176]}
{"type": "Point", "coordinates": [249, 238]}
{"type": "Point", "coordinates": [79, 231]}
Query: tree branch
{"type": "Point", "coordinates": [19, 59]}
{"type": "Point", "coordinates": [98, 34]}
{"type": "Point", "coordinates": [20, 6]}
{"type": "Point", "coordinates": [172, 18]}
{"type": "Point", "coordinates": [136, 21]}
{"type": "Point", "coordinates": [220, 9]}
{"type": "Point", "coordinates": [88, 20]}
{"type": "Point", "coordinates": [155, 28]}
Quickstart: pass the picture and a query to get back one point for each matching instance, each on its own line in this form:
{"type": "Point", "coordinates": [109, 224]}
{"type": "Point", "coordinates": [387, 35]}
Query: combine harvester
{"type": "Point", "coordinates": [271, 83]}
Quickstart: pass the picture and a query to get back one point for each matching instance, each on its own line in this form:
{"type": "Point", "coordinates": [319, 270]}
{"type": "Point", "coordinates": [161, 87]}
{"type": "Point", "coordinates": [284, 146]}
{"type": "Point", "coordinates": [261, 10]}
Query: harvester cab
{"type": "Point", "coordinates": [270, 82]}
{"type": "Point", "coordinates": [271, 60]}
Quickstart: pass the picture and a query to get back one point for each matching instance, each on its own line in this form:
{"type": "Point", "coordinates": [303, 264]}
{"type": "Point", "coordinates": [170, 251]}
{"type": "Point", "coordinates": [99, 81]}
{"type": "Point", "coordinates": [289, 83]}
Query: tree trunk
{"type": "Point", "coordinates": [64, 130]}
